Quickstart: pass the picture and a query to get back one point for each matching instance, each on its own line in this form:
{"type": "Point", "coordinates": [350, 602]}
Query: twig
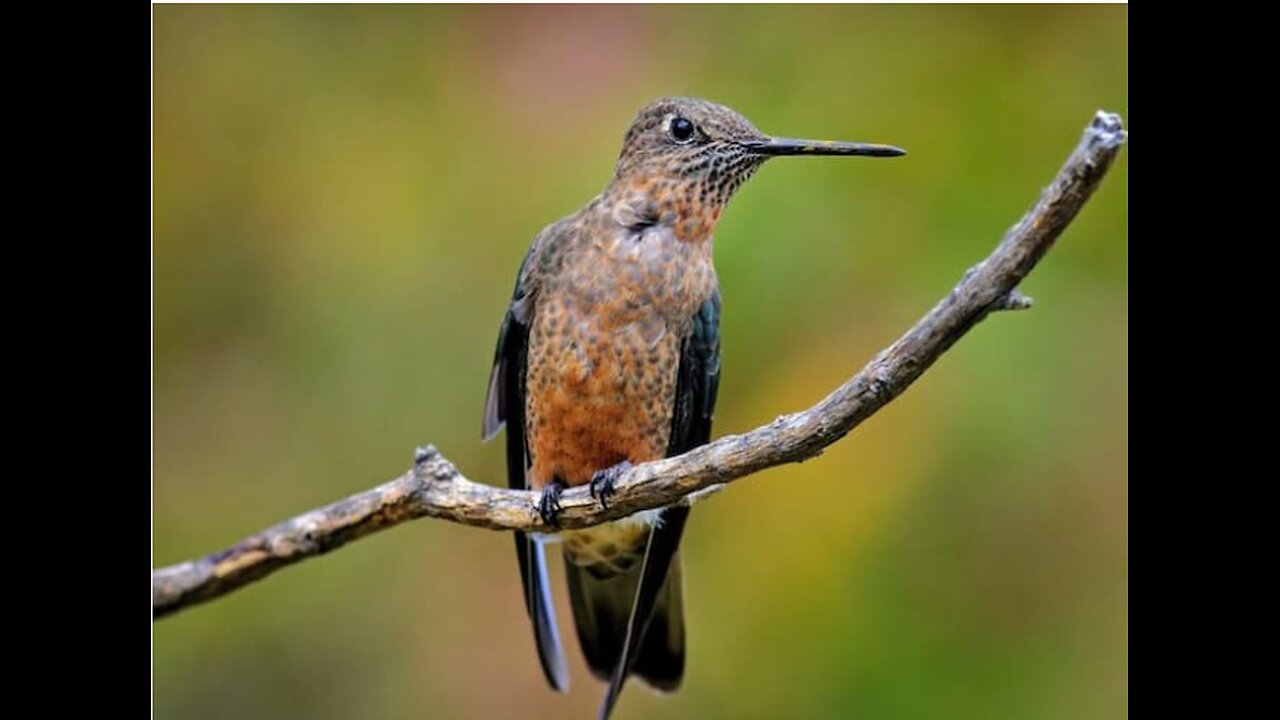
{"type": "Point", "coordinates": [435, 488]}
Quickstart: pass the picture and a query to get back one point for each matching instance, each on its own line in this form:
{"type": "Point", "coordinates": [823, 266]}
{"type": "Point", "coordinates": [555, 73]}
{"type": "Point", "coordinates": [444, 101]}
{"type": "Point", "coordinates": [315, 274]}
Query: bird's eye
{"type": "Point", "coordinates": [681, 129]}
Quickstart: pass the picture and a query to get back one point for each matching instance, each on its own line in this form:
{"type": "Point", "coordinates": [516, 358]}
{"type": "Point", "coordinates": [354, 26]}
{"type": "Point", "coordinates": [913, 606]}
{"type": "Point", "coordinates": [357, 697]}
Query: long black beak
{"type": "Point", "coordinates": [789, 146]}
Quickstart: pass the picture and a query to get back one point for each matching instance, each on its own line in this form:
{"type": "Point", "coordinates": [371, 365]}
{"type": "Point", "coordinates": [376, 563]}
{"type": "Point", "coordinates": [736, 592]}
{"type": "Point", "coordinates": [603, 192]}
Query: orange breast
{"type": "Point", "coordinates": [596, 394]}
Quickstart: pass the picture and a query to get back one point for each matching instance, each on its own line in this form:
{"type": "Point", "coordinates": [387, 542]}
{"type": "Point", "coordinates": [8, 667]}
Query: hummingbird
{"type": "Point", "coordinates": [609, 355]}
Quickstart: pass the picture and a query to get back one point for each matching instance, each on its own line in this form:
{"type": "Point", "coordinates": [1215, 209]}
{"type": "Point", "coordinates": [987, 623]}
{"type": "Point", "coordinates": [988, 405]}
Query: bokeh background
{"type": "Point", "coordinates": [341, 198]}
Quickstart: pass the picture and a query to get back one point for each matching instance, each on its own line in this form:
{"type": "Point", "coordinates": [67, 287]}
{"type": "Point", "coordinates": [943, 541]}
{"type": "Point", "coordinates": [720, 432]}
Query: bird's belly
{"type": "Point", "coordinates": [596, 395]}
{"type": "Point", "coordinates": [614, 547]}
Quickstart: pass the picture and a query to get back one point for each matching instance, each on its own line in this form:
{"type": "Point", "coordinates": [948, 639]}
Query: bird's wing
{"type": "Point", "coordinates": [654, 644]}
{"type": "Point", "coordinates": [505, 405]}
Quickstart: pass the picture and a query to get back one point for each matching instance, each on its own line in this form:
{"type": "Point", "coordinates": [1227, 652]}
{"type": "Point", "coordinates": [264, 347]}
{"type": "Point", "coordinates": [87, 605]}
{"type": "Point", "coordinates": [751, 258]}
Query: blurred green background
{"type": "Point", "coordinates": [341, 198]}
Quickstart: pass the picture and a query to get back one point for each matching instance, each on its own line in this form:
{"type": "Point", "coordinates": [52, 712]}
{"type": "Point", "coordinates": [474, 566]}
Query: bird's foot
{"type": "Point", "coordinates": [549, 504]}
{"type": "Point", "coordinates": [602, 482]}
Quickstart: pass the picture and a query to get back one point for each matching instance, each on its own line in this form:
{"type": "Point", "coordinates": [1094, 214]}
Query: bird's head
{"type": "Point", "coordinates": [692, 154]}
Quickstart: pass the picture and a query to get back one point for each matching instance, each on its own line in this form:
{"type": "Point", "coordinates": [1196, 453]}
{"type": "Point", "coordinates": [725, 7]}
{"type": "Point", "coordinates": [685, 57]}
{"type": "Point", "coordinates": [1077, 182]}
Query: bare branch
{"type": "Point", "coordinates": [435, 488]}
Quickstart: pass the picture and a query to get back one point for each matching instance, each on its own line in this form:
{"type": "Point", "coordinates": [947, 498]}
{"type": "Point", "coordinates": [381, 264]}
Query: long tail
{"type": "Point", "coordinates": [632, 621]}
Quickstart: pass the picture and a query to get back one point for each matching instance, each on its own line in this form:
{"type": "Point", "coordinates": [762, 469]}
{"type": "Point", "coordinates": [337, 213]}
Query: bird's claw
{"type": "Point", "coordinates": [602, 482]}
{"type": "Point", "coordinates": [549, 507]}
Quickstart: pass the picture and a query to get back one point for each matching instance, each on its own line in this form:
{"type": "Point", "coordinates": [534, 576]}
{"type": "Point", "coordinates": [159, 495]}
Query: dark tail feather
{"type": "Point", "coordinates": [666, 663]}
{"type": "Point", "coordinates": [601, 609]}
{"type": "Point", "coordinates": [533, 571]}
{"type": "Point", "coordinates": [601, 606]}
{"type": "Point", "coordinates": [660, 660]}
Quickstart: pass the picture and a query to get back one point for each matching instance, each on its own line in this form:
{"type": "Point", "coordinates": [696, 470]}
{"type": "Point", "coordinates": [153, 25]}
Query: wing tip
{"type": "Point", "coordinates": [558, 676]}
{"type": "Point", "coordinates": [491, 428]}
{"type": "Point", "coordinates": [494, 417]}
{"type": "Point", "coordinates": [546, 633]}
{"type": "Point", "coordinates": [554, 667]}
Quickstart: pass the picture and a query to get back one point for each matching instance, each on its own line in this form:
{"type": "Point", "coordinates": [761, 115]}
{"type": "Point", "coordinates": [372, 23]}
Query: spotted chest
{"type": "Point", "coordinates": [604, 347]}
{"type": "Point", "coordinates": [596, 395]}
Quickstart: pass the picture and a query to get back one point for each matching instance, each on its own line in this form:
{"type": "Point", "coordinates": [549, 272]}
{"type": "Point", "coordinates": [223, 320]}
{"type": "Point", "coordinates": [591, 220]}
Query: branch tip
{"type": "Point", "coordinates": [1108, 128]}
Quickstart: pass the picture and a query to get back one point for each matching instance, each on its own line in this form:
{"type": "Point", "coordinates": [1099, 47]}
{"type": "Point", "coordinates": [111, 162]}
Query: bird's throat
{"type": "Point", "coordinates": [684, 205]}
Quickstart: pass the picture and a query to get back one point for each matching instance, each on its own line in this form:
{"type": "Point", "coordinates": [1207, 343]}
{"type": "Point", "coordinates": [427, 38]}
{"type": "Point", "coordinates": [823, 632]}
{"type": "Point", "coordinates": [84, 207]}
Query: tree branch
{"type": "Point", "coordinates": [435, 488]}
